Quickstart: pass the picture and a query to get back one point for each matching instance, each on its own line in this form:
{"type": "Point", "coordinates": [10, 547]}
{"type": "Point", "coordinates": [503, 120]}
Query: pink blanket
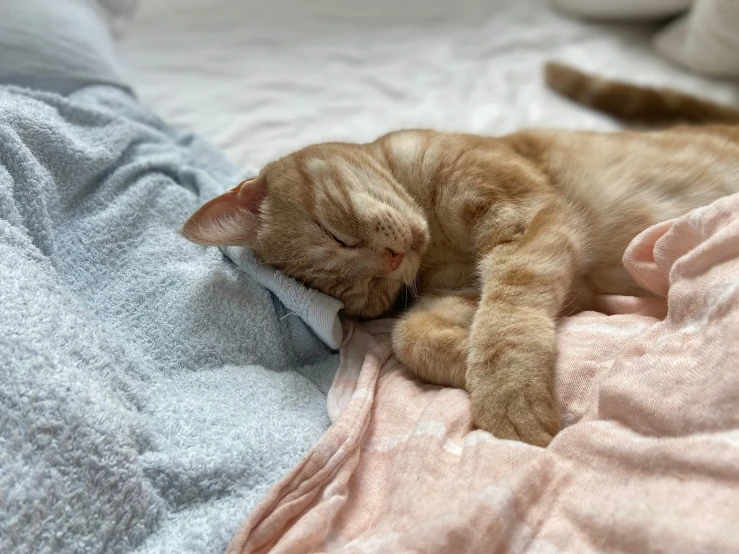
{"type": "Point", "coordinates": [648, 460]}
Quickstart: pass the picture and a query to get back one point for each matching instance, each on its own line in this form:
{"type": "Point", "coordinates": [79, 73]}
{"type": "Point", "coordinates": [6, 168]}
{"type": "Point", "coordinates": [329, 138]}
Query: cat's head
{"type": "Point", "coordinates": [331, 216]}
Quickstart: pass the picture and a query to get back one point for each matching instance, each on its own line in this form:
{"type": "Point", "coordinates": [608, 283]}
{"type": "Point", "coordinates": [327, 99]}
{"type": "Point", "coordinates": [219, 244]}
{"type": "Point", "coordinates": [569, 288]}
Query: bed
{"type": "Point", "coordinates": [260, 80]}
{"type": "Point", "coordinates": [283, 455]}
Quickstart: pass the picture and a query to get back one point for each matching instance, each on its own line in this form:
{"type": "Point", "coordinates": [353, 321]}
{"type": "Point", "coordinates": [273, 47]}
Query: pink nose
{"type": "Point", "coordinates": [393, 259]}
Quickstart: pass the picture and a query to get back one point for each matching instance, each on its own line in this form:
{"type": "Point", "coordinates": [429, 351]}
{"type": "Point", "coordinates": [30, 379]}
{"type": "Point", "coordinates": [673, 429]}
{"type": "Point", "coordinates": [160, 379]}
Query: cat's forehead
{"type": "Point", "coordinates": [338, 182]}
{"type": "Point", "coordinates": [340, 169]}
{"type": "Point", "coordinates": [340, 186]}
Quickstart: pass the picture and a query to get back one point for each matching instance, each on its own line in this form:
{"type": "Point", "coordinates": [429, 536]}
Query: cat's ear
{"type": "Point", "coordinates": [231, 219]}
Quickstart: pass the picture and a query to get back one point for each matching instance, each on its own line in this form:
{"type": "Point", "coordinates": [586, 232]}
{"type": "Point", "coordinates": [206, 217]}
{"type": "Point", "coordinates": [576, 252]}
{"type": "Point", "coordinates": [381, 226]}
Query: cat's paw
{"type": "Point", "coordinates": [510, 375]}
{"type": "Point", "coordinates": [531, 416]}
{"type": "Point", "coordinates": [431, 338]}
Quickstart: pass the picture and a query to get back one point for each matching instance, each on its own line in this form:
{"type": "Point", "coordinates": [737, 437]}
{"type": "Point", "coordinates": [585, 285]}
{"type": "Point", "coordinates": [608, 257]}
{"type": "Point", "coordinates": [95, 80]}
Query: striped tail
{"type": "Point", "coordinates": [634, 103]}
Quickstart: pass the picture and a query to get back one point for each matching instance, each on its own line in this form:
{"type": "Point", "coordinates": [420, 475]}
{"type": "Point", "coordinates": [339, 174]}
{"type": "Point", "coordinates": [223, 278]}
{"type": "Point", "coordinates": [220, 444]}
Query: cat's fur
{"type": "Point", "coordinates": [501, 236]}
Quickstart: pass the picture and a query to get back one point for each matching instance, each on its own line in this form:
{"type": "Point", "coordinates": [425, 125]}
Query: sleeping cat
{"type": "Point", "coordinates": [500, 236]}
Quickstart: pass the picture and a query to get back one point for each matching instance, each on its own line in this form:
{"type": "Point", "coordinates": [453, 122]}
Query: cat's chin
{"type": "Point", "coordinates": [402, 283]}
{"type": "Point", "coordinates": [385, 291]}
{"type": "Point", "coordinates": [379, 300]}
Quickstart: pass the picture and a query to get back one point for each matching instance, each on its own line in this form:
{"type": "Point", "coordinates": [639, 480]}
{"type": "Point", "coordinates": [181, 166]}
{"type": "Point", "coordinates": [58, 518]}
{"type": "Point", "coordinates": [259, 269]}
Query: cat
{"type": "Point", "coordinates": [500, 236]}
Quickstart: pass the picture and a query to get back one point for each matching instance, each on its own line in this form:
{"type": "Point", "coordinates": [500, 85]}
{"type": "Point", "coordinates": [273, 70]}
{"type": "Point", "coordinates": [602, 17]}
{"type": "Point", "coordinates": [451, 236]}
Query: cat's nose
{"type": "Point", "coordinates": [393, 259]}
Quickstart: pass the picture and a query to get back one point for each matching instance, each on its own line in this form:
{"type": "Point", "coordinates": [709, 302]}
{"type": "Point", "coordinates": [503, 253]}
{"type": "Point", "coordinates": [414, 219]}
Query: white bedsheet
{"type": "Point", "coordinates": [261, 79]}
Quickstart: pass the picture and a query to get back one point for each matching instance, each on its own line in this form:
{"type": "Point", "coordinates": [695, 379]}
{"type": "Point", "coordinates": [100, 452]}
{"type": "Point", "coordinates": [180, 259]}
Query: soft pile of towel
{"type": "Point", "coordinates": [150, 390]}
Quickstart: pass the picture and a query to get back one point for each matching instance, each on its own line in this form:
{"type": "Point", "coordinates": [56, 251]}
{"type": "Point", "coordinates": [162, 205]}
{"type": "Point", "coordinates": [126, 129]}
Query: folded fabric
{"type": "Point", "coordinates": [648, 460]}
{"type": "Point", "coordinates": [318, 310]}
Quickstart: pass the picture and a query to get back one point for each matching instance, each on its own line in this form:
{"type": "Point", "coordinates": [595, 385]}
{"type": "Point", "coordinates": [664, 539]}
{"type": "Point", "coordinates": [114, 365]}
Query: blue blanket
{"type": "Point", "coordinates": [150, 391]}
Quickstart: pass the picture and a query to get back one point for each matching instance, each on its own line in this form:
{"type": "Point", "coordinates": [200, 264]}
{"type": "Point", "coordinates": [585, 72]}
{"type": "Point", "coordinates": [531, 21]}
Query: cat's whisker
{"type": "Point", "coordinates": [414, 290]}
{"type": "Point", "coordinates": [572, 301]}
{"type": "Point", "coordinates": [427, 265]}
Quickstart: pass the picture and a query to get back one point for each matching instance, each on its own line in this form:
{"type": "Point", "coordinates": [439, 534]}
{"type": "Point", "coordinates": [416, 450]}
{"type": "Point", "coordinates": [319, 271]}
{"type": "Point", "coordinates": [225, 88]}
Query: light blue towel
{"type": "Point", "coordinates": [150, 391]}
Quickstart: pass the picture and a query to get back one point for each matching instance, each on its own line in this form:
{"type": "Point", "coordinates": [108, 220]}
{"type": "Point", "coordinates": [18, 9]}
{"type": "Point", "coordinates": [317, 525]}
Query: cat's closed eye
{"type": "Point", "coordinates": [344, 243]}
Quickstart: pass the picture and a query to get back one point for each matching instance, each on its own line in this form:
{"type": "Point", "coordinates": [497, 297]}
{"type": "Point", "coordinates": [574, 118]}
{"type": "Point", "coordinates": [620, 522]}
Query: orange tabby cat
{"type": "Point", "coordinates": [501, 236]}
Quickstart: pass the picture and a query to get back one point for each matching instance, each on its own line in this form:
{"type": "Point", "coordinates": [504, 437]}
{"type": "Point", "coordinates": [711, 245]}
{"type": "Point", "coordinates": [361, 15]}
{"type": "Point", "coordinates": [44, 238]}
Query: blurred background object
{"type": "Point", "coordinates": [623, 10]}
{"type": "Point", "coordinates": [705, 39]}
{"type": "Point", "coordinates": [119, 13]}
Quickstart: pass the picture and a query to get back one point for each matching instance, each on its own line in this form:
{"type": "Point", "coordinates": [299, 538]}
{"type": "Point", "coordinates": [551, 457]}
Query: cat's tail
{"type": "Point", "coordinates": [634, 103]}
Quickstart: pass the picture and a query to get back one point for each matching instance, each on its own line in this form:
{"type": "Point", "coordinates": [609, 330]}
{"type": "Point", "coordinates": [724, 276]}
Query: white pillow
{"type": "Point", "coordinates": [622, 9]}
{"type": "Point", "coordinates": [706, 40]}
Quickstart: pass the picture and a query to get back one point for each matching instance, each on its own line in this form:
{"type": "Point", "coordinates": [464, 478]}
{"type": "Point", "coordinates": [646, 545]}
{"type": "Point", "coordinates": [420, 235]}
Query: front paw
{"type": "Point", "coordinates": [431, 339]}
{"type": "Point", "coordinates": [510, 375]}
{"type": "Point", "coordinates": [527, 415]}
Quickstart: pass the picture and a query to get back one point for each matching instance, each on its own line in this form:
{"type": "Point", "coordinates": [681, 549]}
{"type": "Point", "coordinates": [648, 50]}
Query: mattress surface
{"type": "Point", "coordinates": [260, 79]}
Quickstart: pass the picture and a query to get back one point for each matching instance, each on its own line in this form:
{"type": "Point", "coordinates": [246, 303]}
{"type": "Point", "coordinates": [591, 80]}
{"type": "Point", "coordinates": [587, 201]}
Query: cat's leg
{"type": "Point", "coordinates": [431, 339]}
{"type": "Point", "coordinates": [525, 284]}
